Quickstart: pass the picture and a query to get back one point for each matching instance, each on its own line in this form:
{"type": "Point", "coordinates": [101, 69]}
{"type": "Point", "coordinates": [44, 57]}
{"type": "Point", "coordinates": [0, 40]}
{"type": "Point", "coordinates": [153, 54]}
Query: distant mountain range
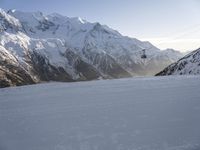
{"type": "Point", "coordinates": [188, 65]}
{"type": "Point", "coordinates": [35, 47]}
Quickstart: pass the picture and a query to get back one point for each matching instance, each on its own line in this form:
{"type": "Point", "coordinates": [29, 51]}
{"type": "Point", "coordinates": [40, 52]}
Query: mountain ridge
{"type": "Point", "coordinates": [189, 64]}
{"type": "Point", "coordinates": [58, 48]}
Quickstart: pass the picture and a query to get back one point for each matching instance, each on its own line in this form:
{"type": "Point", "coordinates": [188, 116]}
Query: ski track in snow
{"type": "Point", "coordinates": [158, 113]}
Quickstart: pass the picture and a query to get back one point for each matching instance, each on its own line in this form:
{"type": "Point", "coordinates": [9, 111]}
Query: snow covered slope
{"type": "Point", "coordinates": [188, 65]}
{"type": "Point", "coordinates": [158, 113]}
{"type": "Point", "coordinates": [58, 48]}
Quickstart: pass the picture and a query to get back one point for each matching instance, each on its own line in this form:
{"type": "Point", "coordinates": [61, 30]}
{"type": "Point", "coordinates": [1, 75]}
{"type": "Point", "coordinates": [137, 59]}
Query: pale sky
{"type": "Point", "coordinates": [165, 23]}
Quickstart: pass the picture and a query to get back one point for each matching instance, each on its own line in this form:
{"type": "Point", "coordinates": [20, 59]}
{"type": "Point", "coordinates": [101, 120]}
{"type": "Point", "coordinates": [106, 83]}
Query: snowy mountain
{"type": "Point", "coordinates": [188, 65]}
{"type": "Point", "coordinates": [58, 48]}
{"type": "Point", "coordinates": [157, 113]}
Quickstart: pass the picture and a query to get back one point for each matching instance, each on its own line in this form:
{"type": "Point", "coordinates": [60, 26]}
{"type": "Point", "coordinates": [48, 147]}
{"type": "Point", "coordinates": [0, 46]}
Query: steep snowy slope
{"type": "Point", "coordinates": [160, 113]}
{"type": "Point", "coordinates": [188, 65]}
{"type": "Point", "coordinates": [11, 72]}
{"type": "Point", "coordinates": [55, 47]}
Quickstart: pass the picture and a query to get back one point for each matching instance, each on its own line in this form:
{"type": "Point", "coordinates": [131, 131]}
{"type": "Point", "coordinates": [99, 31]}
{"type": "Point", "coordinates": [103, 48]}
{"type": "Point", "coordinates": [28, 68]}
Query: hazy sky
{"type": "Point", "coordinates": [165, 23]}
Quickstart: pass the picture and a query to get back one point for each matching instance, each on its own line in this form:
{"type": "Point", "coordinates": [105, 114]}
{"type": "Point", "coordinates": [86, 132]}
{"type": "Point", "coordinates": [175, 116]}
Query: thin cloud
{"type": "Point", "coordinates": [184, 44]}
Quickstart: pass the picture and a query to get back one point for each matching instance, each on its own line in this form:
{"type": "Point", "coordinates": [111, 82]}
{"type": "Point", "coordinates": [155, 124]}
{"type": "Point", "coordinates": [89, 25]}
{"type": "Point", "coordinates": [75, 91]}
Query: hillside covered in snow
{"type": "Point", "coordinates": [188, 65]}
{"type": "Point", "coordinates": [158, 113]}
{"type": "Point", "coordinates": [35, 47]}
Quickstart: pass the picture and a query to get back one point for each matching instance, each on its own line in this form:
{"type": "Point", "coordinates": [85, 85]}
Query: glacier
{"type": "Point", "coordinates": [155, 113]}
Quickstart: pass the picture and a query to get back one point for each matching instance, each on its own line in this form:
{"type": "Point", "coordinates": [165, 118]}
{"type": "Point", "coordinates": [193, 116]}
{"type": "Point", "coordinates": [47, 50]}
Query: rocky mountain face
{"type": "Point", "coordinates": [188, 65]}
{"type": "Point", "coordinates": [35, 47]}
{"type": "Point", "coordinates": [11, 71]}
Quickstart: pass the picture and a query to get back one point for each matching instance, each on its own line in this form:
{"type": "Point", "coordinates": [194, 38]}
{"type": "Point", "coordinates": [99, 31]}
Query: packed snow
{"type": "Point", "coordinates": [158, 113]}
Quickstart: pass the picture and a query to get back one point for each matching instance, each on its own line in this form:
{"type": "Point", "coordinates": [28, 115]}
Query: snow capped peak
{"type": "Point", "coordinates": [13, 10]}
{"type": "Point", "coordinates": [8, 21]}
{"type": "Point", "coordinates": [1, 10]}
{"type": "Point", "coordinates": [78, 20]}
{"type": "Point", "coordinates": [39, 16]}
{"type": "Point", "coordinates": [81, 20]}
{"type": "Point", "coordinates": [56, 16]}
{"type": "Point", "coordinates": [28, 16]}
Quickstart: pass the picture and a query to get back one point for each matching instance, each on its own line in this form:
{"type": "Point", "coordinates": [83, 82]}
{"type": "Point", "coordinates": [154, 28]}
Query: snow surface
{"type": "Point", "coordinates": [159, 113]}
